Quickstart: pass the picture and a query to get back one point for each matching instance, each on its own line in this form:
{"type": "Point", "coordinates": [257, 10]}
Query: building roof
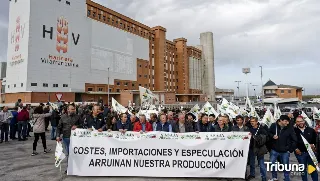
{"type": "Point", "coordinates": [289, 86]}
{"type": "Point", "coordinates": [269, 83]}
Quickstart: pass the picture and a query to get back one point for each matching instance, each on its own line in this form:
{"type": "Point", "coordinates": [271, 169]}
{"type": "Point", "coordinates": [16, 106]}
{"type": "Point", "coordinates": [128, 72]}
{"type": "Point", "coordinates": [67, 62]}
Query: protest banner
{"type": "Point", "coordinates": [158, 154]}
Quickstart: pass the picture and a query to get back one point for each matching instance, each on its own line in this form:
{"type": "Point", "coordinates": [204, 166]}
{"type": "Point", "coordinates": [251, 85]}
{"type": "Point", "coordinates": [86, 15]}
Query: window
{"type": "Point", "coordinates": [55, 85]}
{"type": "Point", "coordinates": [65, 85]}
{"type": "Point", "coordinates": [145, 76]}
{"type": "Point", "coordinates": [34, 84]}
{"type": "Point", "coordinates": [94, 14]}
{"type": "Point", "coordinates": [177, 87]}
{"type": "Point", "coordinates": [8, 86]}
{"type": "Point", "coordinates": [282, 91]}
{"type": "Point", "coordinates": [132, 85]}
{"type": "Point", "coordinates": [90, 89]}
{"type": "Point", "coordinates": [15, 85]}
{"type": "Point", "coordinates": [152, 55]}
{"type": "Point", "coordinates": [99, 16]}
{"type": "Point", "coordinates": [145, 85]}
{"type": "Point", "coordinates": [110, 90]}
{"type": "Point", "coordinates": [89, 13]}
{"type": "Point", "coordinates": [100, 89]}
{"type": "Point", "coordinates": [118, 90]}
{"type": "Point", "coordinates": [140, 65]}
{"type": "Point", "coordinates": [139, 84]}
{"type": "Point", "coordinates": [289, 91]}
{"type": "Point", "coordinates": [152, 67]}
{"type": "Point", "coordinates": [21, 84]}
{"type": "Point", "coordinates": [108, 19]}
{"type": "Point", "coordinates": [139, 75]}
{"type": "Point", "coordinates": [126, 84]}
{"type": "Point", "coordinates": [104, 18]}
{"type": "Point", "coordinates": [118, 83]}
{"type": "Point", "coordinates": [45, 85]}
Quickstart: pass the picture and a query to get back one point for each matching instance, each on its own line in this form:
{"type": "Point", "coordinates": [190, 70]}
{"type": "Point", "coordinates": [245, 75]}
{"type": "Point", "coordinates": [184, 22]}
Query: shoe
{"type": "Point", "coordinates": [34, 154]}
{"type": "Point", "coordinates": [53, 139]}
{"type": "Point", "coordinates": [47, 151]}
{"type": "Point", "coordinates": [250, 177]}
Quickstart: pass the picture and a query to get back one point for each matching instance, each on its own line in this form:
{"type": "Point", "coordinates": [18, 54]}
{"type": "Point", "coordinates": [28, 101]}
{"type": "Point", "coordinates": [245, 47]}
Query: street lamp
{"type": "Point", "coordinates": [261, 87]}
{"type": "Point", "coordinates": [238, 81]}
{"type": "Point", "coordinates": [249, 83]}
{"type": "Point", "coordinates": [246, 71]}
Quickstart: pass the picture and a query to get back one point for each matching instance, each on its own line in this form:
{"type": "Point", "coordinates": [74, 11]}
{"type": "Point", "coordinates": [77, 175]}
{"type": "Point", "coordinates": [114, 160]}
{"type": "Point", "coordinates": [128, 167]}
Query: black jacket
{"type": "Point", "coordinates": [98, 122]}
{"type": "Point", "coordinates": [54, 119]}
{"type": "Point", "coordinates": [258, 141]}
{"type": "Point", "coordinates": [65, 124]}
{"type": "Point", "coordinates": [287, 139]}
{"type": "Point", "coordinates": [188, 127]}
{"type": "Point", "coordinates": [203, 127]}
{"type": "Point", "coordinates": [309, 134]}
{"type": "Point", "coordinates": [237, 129]}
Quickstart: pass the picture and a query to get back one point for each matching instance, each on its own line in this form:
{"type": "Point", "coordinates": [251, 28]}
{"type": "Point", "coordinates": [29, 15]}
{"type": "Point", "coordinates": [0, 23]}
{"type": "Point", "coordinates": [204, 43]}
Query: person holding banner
{"type": "Point", "coordinates": [203, 125]}
{"type": "Point", "coordinates": [257, 148]}
{"type": "Point", "coordinates": [142, 125]}
{"type": "Point", "coordinates": [283, 142]}
{"type": "Point", "coordinates": [221, 126]}
{"type": "Point", "coordinates": [95, 119]}
{"type": "Point", "coordinates": [182, 126]}
{"type": "Point", "coordinates": [301, 152]}
{"type": "Point", "coordinates": [124, 124]}
{"type": "Point", "coordinates": [163, 125]}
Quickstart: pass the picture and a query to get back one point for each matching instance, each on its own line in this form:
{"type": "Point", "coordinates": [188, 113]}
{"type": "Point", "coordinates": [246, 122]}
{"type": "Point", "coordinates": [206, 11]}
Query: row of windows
{"type": "Point", "coordinates": [119, 24]}
{"type": "Point", "coordinates": [282, 91]}
{"type": "Point", "coordinates": [47, 85]}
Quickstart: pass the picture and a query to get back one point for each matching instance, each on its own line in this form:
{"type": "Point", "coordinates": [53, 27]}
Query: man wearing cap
{"type": "Point", "coordinates": [283, 142]}
{"type": "Point", "coordinates": [301, 152]}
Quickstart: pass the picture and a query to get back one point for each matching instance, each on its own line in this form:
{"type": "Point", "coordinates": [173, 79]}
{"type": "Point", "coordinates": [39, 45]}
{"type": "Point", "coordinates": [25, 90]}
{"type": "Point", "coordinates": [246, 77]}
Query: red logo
{"type": "Point", "coordinates": [62, 35]}
{"type": "Point", "coordinates": [17, 34]}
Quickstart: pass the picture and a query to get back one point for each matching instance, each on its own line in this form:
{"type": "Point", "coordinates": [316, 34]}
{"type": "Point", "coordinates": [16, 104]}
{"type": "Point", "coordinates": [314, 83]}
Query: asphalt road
{"type": "Point", "coordinates": [17, 164]}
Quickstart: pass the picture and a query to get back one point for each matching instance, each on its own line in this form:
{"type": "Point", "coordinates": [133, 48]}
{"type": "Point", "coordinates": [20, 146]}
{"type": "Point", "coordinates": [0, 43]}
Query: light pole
{"type": "Point", "coordinates": [262, 92]}
{"type": "Point", "coordinates": [254, 89]}
{"type": "Point", "coordinates": [238, 81]}
{"type": "Point", "coordinates": [248, 87]}
{"type": "Point", "coordinates": [108, 87]}
{"type": "Point", "coordinates": [246, 71]}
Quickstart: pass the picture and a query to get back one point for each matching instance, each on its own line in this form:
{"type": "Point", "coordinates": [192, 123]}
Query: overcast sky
{"type": "Point", "coordinates": [280, 35]}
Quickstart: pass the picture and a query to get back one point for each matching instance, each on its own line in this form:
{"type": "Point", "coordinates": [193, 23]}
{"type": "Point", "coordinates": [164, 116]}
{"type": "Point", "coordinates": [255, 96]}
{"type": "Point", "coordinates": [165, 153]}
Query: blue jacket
{"type": "Point", "coordinates": [166, 127]}
{"type": "Point", "coordinates": [14, 118]}
{"type": "Point", "coordinates": [126, 126]}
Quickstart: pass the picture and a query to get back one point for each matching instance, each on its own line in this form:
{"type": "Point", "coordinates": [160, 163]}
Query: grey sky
{"type": "Point", "coordinates": [280, 35]}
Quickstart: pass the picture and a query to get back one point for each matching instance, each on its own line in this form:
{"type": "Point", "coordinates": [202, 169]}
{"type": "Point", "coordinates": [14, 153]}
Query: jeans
{"type": "Point", "coordinates": [66, 142]}
{"type": "Point", "coordinates": [305, 159]}
{"type": "Point", "coordinates": [284, 157]}
{"type": "Point", "coordinates": [53, 132]}
{"type": "Point", "coordinates": [13, 130]}
{"type": "Point", "coordinates": [260, 162]}
{"type": "Point", "coordinates": [29, 128]}
{"type": "Point", "coordinates": [36, 139]}
{"type": "Point", "coordinates": [22, 129]}
{"type": "Point", "coordinates": [4, 131]}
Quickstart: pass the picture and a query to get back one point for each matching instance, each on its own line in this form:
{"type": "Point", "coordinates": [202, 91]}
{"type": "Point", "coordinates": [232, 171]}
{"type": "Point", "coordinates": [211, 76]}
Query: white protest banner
{"type": "Point", "coordinates": [158, 154]}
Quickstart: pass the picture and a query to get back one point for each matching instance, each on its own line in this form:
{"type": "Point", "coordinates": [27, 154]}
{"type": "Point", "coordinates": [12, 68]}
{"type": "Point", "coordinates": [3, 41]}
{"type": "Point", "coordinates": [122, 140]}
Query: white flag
{"type": "Point", "coordinates": [195, 111]}
{"type": "Point", "coordinates": [311, 153]}
{"type": "Point", "coordinates": [306, 118]}
{"type": "Point", "coordinates": [208, 109]}
{"type": "Point", "coordinates": [268, 118]}
{"type": "Point", "coordinates": [146, 95]}
{"type": "Point", "coordinates": [118, 107]}
{"type": "Point", "coordinates": [315, 113]}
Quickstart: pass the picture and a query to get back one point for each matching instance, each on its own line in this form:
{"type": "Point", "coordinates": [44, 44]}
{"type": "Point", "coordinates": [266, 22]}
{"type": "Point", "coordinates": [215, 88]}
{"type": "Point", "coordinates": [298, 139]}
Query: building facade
{"type": "Point", "coordinates": [272, 90]}
{"type": "Point", "coordinates": [86, 51]}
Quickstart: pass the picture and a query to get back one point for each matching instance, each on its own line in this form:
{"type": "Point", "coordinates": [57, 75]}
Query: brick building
{"type": "Point", "coordinates": [174, 70]}
{"type": "Point", "coordinates": [272, 90]}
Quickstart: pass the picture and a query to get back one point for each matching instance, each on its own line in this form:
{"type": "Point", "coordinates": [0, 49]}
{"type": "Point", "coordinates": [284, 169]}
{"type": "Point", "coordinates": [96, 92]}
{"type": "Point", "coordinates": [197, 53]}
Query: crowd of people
{"type": "Point", "coordinates": [279, 140]}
